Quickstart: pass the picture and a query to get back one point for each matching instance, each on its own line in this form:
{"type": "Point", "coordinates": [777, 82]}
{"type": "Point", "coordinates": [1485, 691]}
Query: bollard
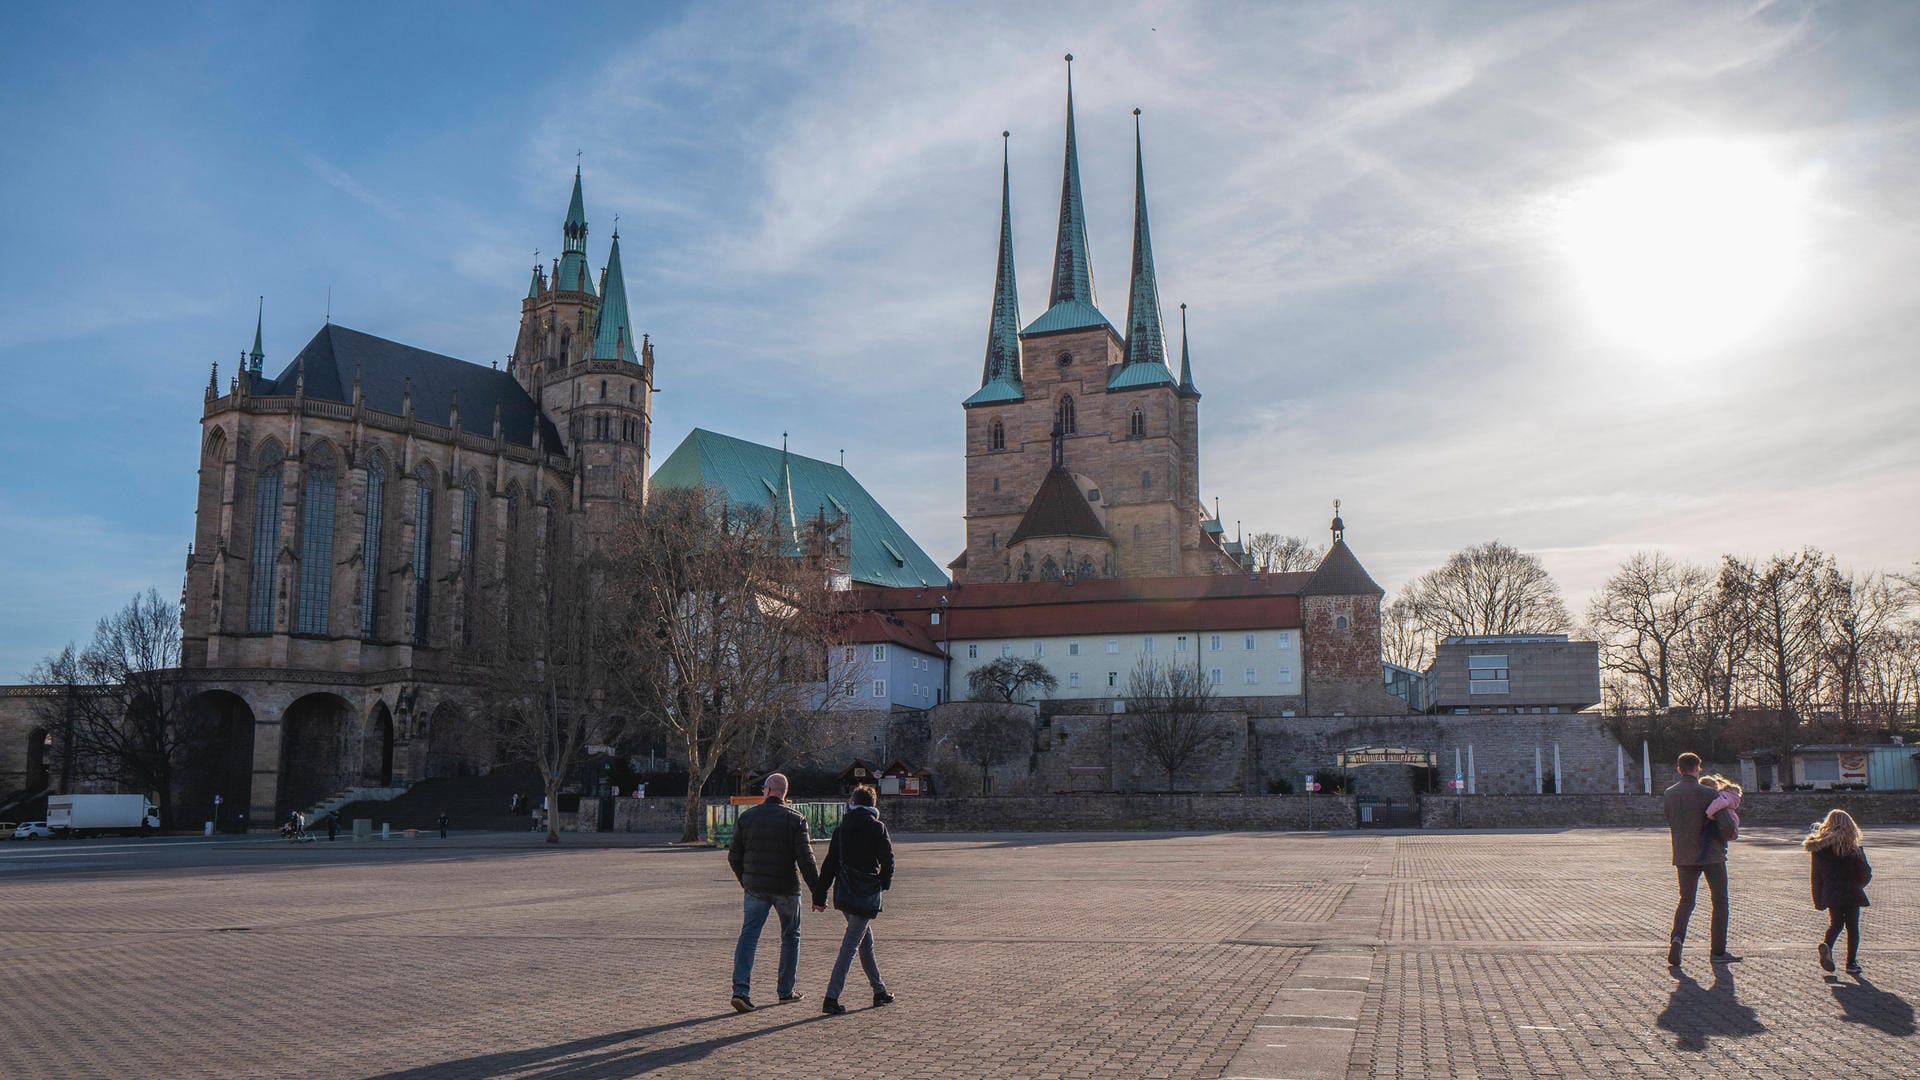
{"type": "Point", "coordinates": [209, 829]}
{"type": "Point", "coordinates": [385, 830]}
{"type": "Point", "coordinates": [362, 828]}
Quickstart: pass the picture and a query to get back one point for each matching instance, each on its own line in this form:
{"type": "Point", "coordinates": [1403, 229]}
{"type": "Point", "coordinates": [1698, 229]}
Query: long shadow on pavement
{"type": "Point", "coordinates": [1865, 1003]}
{"type": "Point", "coordinates": [1696, 1013]}
{"type": "Point", "coordinates": [599, 1057]}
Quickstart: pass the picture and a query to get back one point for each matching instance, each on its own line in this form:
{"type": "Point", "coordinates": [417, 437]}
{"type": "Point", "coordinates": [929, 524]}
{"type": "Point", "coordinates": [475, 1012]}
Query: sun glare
{"type": "Point", "coordinates": [1690, 246]}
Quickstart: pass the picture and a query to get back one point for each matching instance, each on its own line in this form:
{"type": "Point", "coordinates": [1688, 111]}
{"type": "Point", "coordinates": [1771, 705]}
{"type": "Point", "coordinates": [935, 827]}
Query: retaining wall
{"type": "Point", "coordinates": [1792, 809]}
{"type": "Point", "coordinates": [1095, 813]}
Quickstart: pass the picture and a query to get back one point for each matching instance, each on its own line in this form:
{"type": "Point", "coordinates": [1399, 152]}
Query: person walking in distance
{"type": "Point", "coordinates": [1840, 876]}
{"type": "Point", "coordinates": [769, 843]}
{"type": "Point", "coordinates": [860, 867]}
{"type": "Point", "coordinates": [1698, 851]}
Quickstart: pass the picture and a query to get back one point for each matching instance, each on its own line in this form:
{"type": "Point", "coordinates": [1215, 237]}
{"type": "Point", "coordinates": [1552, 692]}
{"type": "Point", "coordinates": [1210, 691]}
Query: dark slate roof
{"type": "Point", "coordinates": [1340, 574]}
{"type": "Point", "coordinates": [1059, 509]}
{"type": "Point", "coordinates": [387, 367]}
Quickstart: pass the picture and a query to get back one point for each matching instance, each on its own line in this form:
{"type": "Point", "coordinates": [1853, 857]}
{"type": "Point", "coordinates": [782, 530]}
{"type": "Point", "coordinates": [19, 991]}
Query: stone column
{"type": "Point", "coordinates": [264, 799]}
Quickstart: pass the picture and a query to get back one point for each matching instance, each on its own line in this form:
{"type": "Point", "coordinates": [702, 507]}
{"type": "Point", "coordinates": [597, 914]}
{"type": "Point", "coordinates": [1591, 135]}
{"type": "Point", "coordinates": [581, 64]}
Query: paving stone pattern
{"type": "Point", "coordinates": [1255, 955]}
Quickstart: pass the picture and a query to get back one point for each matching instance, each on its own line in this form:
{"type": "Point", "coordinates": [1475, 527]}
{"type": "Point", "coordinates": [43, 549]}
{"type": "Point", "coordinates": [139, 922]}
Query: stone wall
{"type": "Point", "coordinates": [1788, 809]}
{"type": "Point", "coordinates": [1067, 813]}
{"type": "Point", "coordinates": [1503, 749]}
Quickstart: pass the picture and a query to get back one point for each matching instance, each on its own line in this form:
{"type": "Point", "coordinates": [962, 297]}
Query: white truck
{"type": "Point", "coordinates": [84, 815]}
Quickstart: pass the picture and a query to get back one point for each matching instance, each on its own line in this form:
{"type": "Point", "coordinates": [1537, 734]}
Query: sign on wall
{"type": "Point", "coordinates": [1386, 755]}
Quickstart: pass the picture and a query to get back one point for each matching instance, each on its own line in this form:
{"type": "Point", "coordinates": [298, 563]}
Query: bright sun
{"type": "Point", "coordinates": [1689, 246]}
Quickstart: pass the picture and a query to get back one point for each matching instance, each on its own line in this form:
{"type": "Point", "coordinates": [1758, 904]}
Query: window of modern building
{"type": "Point", "coordinates": [1113, 678]}
{"type": "Point", "coordinates": [1253, 677]}
{"type": "Point", "coordinates": [1214, 676]}
{"type": "Point", "coordinates": [1113, 645]}
{"type": "Point", "coordinates": [1039, 650]}
{"type": "Point", "coordinates": [973, 652]}
{"type": "Point", "coordinates": [266, 537]}
{"type": "Point", "coordinates": [374, 520]}
{"type": "Point", "coordinates": [1284, 640]}
{"type": "Point", "coordinates": [1073, 648]}
{"type": "Point", "coordinates": [1006, 650]}
{"type": "Point", "coordinates": [1213, 643]}
{"type": "Point", "coordinates": [316, 541]}
{"type": "Point", "coordinates": [1180, 643]}
{"type": "Point", "coordinates": [846, 655]}
{"type": "Point", "coordinates": [879, 688]}
{"type": "Point", "coordinates": [1487, 674]}
{"type": "Point", "coordinates": [1146, 646]}
{"type": "Point", "coordinates": [1247, 643]}
{"type": "Point", "coordinates": [1286, 674]}
{"type": "Point", "coordinates": [879, 652]}
{"type": "Point", "coordinates": [1553, 708]}
{"type": "Point", "coordinates": [1073, 680]}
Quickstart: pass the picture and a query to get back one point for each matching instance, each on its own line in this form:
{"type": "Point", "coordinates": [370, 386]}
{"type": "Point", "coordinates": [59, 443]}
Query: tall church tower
{"type": "Point", "coordinates": [1082, 447]}
{"type": "Point", "coordinates": [577, 355]}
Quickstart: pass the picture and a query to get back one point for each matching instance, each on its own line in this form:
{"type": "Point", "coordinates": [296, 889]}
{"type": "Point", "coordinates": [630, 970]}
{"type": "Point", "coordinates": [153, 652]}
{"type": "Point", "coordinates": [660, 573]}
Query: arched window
{"type": "Point", "coordinates": [266, 537]}
{"type": "Point", "coordinates": [1137, 424]}
{"type": "Point", "coordinates": [316, 541]}
{"type": "Point", "coordinates": [997, 436]}
{"type": "Point", "coordinates": [422, 552]}
{"type": "Point", "coordinates": [1063, 416]}
{"type": "Point", "coordinates": [469, 507]}
{"type": "Point", "coordinates": [376, 516]}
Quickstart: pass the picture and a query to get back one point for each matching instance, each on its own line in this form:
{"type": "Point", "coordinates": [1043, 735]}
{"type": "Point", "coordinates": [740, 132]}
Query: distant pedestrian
{"type": "Point", "coordinates": [769, 842]}
{"type": "Point", "coordinates": [859, 866]}
{"type": "Point", "coordinates": [333, 826]}
{"type": "Point", "coordinates": [1698, 851]}
{"type": "Point", "coordinates": [1840, 875]}
{"type": "Point", "coordinates": [443, 824]}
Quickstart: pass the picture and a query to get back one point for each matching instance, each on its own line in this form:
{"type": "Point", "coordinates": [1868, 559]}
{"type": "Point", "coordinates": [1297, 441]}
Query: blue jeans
{"type": "Point", "coordinates": [859, 939]}
{"type": "Point", "coordinates": [757, 906]}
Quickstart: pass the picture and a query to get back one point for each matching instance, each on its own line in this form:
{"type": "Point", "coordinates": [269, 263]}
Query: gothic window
{"type": "Point", "coordinates": [316, 541]}
{"type": "Point", "coordinates": [266, 537]}
{"type": "Point", "coordinates": [1137, 424]}
{"type": "Point", "coordinates": [469, 514]}
{"type": "Point", "coordinates": [1049, 570]}
{"type": "Point", "coordinates": [565, 337]}
{"type": "Point", "coordinates": [603, 389]}
{"type": "Point", "coordinates": [1063, 415]}
{"type": "Point", "coordinates": [1086, 567]}
{"type": "Point", "coordinates": [997, 436]}
{"type": "Point", "coordinates": [370, 544]}
{"type": "Point", "coordinates": [422, 553]}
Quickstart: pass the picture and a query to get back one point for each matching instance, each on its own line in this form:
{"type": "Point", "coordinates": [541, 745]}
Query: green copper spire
{"type": "Point", "coordinates": [785, 523]}
{"type": "Point", "coordinates": [1072, 266]}
{"type": "Point", "coordinates": [573, 275]}
{"type": "Point", "coordinates": [1000, 379]}
{"type": "Point", "coordinates": [534, 288]}
{"type": "Point", "coordinates": [1146, 363]}
{"type": "Point", "coordinates": [612, 328]}
{"type": "Point", "coordinates": [256, 357]}
{"type": "Point", "coordinates": [1187, 389]}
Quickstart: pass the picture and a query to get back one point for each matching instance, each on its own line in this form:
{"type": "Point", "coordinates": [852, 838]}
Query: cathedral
{"type": "Point", "coordinates": [355, 507]}
{"type": "Point", "coordinates": [1083, 447]}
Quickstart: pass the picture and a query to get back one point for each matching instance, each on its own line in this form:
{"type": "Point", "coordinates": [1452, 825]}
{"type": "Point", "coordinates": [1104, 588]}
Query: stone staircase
{"type": "Point", "coordinates": [318, 811]}
{"type": "Point", "coordinates": [470, 802]}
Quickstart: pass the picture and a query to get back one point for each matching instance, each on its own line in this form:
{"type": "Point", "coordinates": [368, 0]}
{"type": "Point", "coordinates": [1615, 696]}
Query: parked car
{"type": "Point", "coordinates": [32, 830]}
{"type": "Point", "coordinates": [6, 829]}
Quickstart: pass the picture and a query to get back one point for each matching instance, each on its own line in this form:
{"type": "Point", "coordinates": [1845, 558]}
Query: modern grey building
{"type": "Point", "coordinates": [1514, 674]}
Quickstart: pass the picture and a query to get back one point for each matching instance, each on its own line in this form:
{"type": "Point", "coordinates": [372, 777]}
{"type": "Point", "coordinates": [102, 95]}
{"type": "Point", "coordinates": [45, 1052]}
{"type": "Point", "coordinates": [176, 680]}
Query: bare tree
{"type": "Point", "coordinates": [1642, 616]}
{"type": "Point", "coordinates": [1858, 615]}
{"type": "Point", "coordinates": [1781, 603]}
{"type": "Point", "coordinates": [1490, 588]}
{"type": "Point", "coordinates": [1008, 678]}
{"type": "Point", "coordinates": [993, 738]}
{"type": "Point", "coordinates": [1279, 554]}
{"type": "Point", "coordinates": [552, 650]}
{"type": "Point", "coordinates": [123, 709]}
{"type": "Point", "coordinates": [1170, 706]}
{"type": "Point", "coordinates": [1404, 640]}
{"type": "Point", "coordinates": [730, 632]}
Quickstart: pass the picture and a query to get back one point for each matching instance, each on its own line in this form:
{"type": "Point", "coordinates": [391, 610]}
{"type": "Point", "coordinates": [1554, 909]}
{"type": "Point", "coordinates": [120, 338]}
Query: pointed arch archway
{"type": "Point", "coordinates": [315, 753]}
{"type": "Point", "coordinates": [376, 747]}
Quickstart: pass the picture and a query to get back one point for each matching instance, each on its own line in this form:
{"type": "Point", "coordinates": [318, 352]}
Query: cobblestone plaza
{"type": "Point", "coordinates": [1488, 955]}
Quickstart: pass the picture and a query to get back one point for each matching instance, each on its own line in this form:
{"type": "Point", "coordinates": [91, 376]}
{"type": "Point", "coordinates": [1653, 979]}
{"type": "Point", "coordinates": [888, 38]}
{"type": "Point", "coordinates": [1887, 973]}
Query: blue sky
{"type": "Point", "coordinates": [1439, 256]}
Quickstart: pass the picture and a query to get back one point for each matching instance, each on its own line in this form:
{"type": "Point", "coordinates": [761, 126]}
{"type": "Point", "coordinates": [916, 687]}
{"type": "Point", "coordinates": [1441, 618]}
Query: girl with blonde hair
{"type": "Point", "coordinates": [1840, 876]}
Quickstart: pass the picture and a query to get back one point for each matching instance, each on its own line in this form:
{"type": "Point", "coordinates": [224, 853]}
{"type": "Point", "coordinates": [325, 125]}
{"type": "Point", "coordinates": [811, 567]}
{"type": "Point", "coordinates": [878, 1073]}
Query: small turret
{"type": "Point", "coordinates": [256, 358]}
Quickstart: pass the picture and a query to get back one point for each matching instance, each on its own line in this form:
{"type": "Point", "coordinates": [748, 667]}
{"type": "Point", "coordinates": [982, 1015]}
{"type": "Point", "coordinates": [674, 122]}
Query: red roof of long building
{"type": "Point", "coordinates": [1100, 606]}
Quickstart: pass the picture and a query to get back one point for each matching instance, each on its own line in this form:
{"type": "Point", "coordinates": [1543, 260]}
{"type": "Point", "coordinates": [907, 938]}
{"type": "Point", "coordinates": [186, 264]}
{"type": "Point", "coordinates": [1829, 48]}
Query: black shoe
{"type": "Point", "coordinates": [881, 997]}
{"type": "Point", "coordinates": [788, 999]}
{"type": "Point", "coordinates": [832, 1006]}
{"type": "Point", "coordinates": [1725, 958]}
{"type": "Point", "coordinates": [1853, 968]}
{"type": "Point", "coordinates": [1826, 957]}
{"type": "Point", "coordinates": [1673, 955]}
{"type": "Point", "coordinates": [741, 1003]}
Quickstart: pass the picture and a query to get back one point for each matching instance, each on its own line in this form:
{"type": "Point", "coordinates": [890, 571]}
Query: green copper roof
{"type": "Point", "coordinates": [1135, 376]}
{"type": "Point", "coordinates": [612, 328]}
{"type": "Point", "coordinates": [1146, 340]}
{"type": "Point", "coordinates": [1187, 389]}
{"type": "Point", "coordinates": [1072, 265]}
{"type": "Point", "coordinates": [1067, 315]}
{"type": "Point", "coordinates": [533, 288]}
{"type": "Point", "coordinates": [255, 357]}
{"type": "Point", "coordinates": [751, 474]}
{"type": "Point", "coordinates": [1003, 326]}
{"type": "Point", "coordinates": [997, 392]}
{"type": "Point", "coordinates": [573, 275]}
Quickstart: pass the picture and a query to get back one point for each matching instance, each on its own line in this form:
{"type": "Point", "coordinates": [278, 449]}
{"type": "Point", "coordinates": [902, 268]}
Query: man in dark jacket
{"type": "Point", "coordinates": [769, 843]}
{"type": "Point", "coordinates": [1697, 851]}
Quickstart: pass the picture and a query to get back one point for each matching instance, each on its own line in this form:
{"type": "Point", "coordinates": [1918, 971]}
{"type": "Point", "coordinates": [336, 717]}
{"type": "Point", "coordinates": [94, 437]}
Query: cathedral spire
{"type": "Point", "coordinates": [613, 329]}
{"type": "Point", "coordinates": [784, 521]}
{"type": "Point", "coordinates": [256, 357]}
{"type": "Point", "coordinates": [1187, 389]}
{"type": "Point", "coordinates": [1072, 266]}
{"type": "Point", "coordinates": [1146, 341]}
{"type": "Point", "coordinates": [572, 274]}
{"type": "Point", "coordinates": [1001, 375]}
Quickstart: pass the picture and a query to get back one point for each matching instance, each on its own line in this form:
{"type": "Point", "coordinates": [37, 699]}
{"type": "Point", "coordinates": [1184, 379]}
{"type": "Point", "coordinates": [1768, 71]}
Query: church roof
{"type": "Point", "coordinates": [1067, 315]}
{"type": "Point", "coordinates": [1059, 509]}
{"type": "Point", "coordinates": [613, 327]}
{"type": "Point", "coordinates": [881, 551]}
{"type": "Point", "coordinates": [389, 371]}
{"type": "Point", "coordinates": [1000, 376]}
{"type": "Point", "coordinates": [1340, 574]}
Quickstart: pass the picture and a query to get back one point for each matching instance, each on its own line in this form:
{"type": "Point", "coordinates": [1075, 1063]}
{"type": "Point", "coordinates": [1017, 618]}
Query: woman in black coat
{"type": "Point", "coordinates": [1840, 875]}
{"type": "Point", "coordinates": [859, 865]}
